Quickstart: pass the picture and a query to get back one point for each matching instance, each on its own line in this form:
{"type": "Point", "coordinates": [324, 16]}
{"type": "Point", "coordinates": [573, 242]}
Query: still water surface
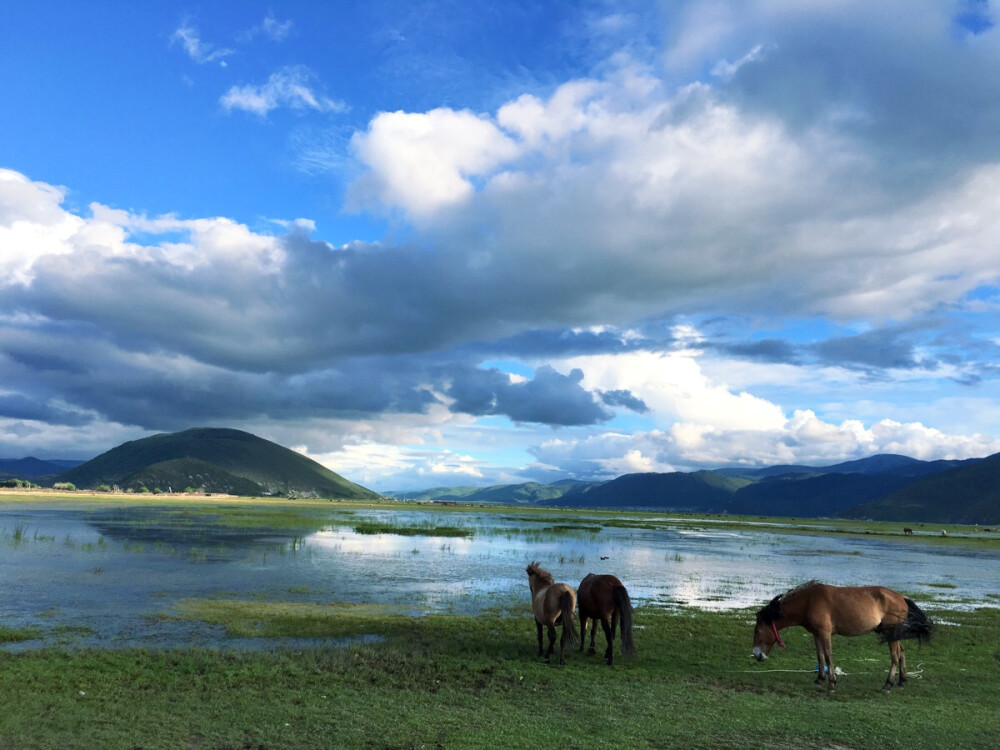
{"type": "Point", "coordinates": [110, 575]}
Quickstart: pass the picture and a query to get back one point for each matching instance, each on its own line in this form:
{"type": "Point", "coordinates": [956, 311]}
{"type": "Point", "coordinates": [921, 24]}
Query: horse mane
{"type": "Point", "coordinates": [772, 610]}
{"type": "Point", "coordinates": [535, 569]}
{"type": "Point", "coordinates": [802, 587]}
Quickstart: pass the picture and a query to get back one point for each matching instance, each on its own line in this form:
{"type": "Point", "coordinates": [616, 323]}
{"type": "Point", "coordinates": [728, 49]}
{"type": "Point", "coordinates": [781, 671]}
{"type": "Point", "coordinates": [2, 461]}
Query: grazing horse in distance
{"type": "Point", "coordinates": [552, 603]}
{"type": "Point", "coordinates": [907, 532]}
{"type": "Point", "coordinates": [842, 610]}
{"type": "Point", "coordinates": [605, 598]}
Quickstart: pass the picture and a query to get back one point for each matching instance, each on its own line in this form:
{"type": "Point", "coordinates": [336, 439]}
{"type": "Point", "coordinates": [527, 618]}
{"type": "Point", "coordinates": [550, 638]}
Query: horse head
{"type": "Point", "coordinates": [765, 631]}
{"type": "Point", "coordinates": [538, 577]}
{"type": "Point", "coordinates": [534, 569]}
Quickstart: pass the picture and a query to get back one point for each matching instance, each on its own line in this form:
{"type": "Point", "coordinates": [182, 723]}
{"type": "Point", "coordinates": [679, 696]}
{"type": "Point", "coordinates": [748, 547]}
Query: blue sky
{"type": "Point", "coordinates": [433, 244]}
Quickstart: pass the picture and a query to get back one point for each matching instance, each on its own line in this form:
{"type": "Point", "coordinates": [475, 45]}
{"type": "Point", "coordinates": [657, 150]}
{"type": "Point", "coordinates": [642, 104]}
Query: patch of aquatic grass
{"type": "Point", "coordinates": [15, 635]}
{"type": "Point", "coordinates": [822, 552]}
{"type": "Point", "coordinates": [570, 528]}
{"type": "Point", "coordinates": [425, 529]}
{"type": "Point", "coordinates": [938, 585]}
{"type": "Point", "coordinates": [69, 634]}
{"type": "Point", "coordinates": [19, 533]}
{"type": "Point", "coordinates": [267, 619]}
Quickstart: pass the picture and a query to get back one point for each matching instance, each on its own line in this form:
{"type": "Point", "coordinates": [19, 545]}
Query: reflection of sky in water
{"type": "Point", "coordinates": [115, 572]}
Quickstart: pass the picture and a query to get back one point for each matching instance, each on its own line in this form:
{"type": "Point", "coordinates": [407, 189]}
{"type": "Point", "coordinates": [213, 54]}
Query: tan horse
{"type": "Point", "coordinates": [605, 598]}
{"type": "Point", "coordinates": [842, 610]}
{"type": "Point", "coordinates": [552, 603]}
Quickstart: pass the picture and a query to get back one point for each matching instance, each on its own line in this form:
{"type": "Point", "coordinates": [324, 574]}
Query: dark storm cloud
{"type": "Point", "coordinates": [164, 391]}
{"type": "Point", "coordinates": [558, 343]}
{"type": "Point", "coordinates": [549, 398]}
{"type": "Point", "coordinates": [877, 92]}
{"type": "Point", "coordinates": [17, 406]}
{"type": "Point", "coordinates": [875, 350]}
{"type": "Point", "coordinates": [625, 399]}
{"type": "Point", "coordinates": [764, 350]}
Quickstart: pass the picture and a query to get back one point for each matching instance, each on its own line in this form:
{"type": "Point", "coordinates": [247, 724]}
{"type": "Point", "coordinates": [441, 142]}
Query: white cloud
{"type": "Point", "coordinates": [289, 87]}
{"type": "Point", "coordinates": [32, 225]}
{"type": "Point", "coordinates": [274, 29]}
{"type": "Point", "coordinates": [201, 52]}
{"type": "Point", "coordinates": [425, 162]}
{"type": "Point", "coordinates": [536, 121]}
{"type": "Point", "coordinates": [675, 388]}
{"type": "Point", "coordinates": [725, 69]}
{"type": "Point", "coordinates": [703, 424]}
{"type": "Point", "coordinates": [801, 439]}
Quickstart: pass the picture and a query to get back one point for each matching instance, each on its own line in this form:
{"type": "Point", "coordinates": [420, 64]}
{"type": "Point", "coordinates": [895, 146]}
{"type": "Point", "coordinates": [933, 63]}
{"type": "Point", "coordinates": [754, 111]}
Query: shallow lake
{"type": "Point", "coordinates": [110, 575]}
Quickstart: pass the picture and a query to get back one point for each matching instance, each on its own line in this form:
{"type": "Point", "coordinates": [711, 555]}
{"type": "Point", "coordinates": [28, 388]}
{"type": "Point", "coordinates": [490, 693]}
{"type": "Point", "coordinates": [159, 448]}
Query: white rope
{"type": "Point", "coordinates": [916, 674]}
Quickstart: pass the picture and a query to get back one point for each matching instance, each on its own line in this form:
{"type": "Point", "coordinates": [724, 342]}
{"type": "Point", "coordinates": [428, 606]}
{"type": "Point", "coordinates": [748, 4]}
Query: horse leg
{"type": "Point", "coordinates": [583, 630]}
{"type": "Point", "coordinates": [902, 664]}
{"type": "Point", "coordinates": [552, 642]}
{"type": "Point", "coordinates": [562, 642]}
{"type": "Point", "coordinates": [895, 663]}
{"type": "Point", "coordinates": [828, 653]}
{"type": "Point", "coordinates": [820, 670]}
{"type": "Point", "coordinates": [609, 636]}
{"type": "Point", "coordinates": [538, 625]}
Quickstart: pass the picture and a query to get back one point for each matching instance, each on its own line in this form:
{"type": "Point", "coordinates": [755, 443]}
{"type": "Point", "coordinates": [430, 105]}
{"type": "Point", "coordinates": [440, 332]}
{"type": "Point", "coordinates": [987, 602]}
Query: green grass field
{"type": "Point", "coordinates": [459, 681]}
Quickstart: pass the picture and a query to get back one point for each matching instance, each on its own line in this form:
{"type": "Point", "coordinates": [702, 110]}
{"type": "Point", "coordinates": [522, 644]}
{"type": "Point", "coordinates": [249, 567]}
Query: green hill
{"type": "Point", "coordinates": [968, 494]}
{"type": "Point", "coordinates": [213, 460]}
{"type": "Point", "coordinates": [698, 491]}
{"type": "Point", "coordinates": [527, 493]}
{"type": "Point", "coordinates": [812, 495]}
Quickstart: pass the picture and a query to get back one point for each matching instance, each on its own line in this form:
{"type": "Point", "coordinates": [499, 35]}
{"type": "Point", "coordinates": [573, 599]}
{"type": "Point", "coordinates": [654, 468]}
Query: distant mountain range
{"type": "Point", "coordinates": [884, 487]}
{"type": "Point", "coordinates": [31, 467]}
{"type": "Point", "coordinates": [211, 460]}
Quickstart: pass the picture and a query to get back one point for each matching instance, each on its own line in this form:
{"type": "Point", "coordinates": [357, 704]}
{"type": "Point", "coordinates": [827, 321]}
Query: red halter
{"type": "Point", "coordinates": [777, 638]}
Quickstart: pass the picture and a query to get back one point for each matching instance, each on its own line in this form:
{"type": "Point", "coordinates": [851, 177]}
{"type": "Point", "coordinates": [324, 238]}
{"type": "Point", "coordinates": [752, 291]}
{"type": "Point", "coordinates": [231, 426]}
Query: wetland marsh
{"type": "Point", "coordinates": [118, 574]}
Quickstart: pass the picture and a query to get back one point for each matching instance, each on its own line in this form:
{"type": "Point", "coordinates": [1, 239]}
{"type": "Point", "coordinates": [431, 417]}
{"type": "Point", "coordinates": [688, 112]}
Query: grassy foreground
{"type": "Point", "coordinates": [456, 681]}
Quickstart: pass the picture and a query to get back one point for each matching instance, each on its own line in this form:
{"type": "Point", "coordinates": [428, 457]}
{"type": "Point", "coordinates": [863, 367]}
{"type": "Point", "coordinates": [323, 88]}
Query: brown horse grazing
{"type": "Point", "coordinates": [842, 610]}
{"type": "Point", "coordinates": [552, 603]}
{"type": "Point", "coordinates": [605, 598]}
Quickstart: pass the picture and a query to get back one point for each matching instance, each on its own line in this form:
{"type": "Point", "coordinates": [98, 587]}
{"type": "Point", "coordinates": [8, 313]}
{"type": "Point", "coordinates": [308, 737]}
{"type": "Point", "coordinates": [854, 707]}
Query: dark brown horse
{"type": "Point", "coordinates": [552, 603]}
{"type": "Point", "coordinates": [842, 610]}
{"type": "Point", "coordinates": [605, 598]}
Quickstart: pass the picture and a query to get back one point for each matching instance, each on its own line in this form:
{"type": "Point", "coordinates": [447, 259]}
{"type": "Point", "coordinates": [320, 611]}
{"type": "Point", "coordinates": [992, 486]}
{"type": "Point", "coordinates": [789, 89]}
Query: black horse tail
{"type": "Point", "coordinates": [624, 606]}
{"type": "Point", "coordinates": [568, 620]}
{"type": "Point", "coordinates": [917, 624]}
